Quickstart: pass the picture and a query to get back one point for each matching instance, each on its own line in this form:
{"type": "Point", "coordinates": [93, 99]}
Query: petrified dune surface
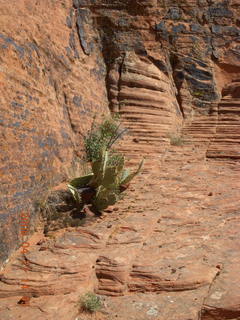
{"type": "Point", "coordinates": [64, 61]}
{"type": "Point", "coordinates": [172, 249]}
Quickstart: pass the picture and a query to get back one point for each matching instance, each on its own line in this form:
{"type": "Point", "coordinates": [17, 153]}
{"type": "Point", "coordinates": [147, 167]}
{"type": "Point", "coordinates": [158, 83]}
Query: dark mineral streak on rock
{"type": "Point", "coordinates": [172, 70]}
{"type": "Point", "coordinates": [82, 21]}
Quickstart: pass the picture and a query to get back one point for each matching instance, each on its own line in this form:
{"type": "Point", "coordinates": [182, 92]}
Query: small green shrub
{"type": "Point", "coordinates": [176, 140]}
{"type": "Point", "coordinates": [93, 144]}
{"type": "Point", "coordinates": [108, 179]}
{"type": "Point", "coordinates": [115, 159]}
{"type": "Point", "coordinates": [102, 136]}
{"type": "Point", "coordinates": [90, 302]}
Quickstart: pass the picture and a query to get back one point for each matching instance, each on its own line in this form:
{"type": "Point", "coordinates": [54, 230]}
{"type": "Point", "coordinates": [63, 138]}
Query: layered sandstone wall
{"type": "Point", "coordinates": [164, 61]}
{"type": "Point", "coordinates": [50, 91]}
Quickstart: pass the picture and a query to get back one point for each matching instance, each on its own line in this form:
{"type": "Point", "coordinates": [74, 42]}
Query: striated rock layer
{"type": "Point", "coordinates": [170, 251]}
{"type": "Point", "coordinates": [226, 141]}
{"type": "Point", "coordinates": [169, 68]}
{"type": "Point", "coordinates": [50, 90]}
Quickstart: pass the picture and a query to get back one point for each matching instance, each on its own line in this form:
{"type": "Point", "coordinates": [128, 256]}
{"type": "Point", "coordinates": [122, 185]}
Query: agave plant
{"type": "Point", "coordinates": [107, 180]}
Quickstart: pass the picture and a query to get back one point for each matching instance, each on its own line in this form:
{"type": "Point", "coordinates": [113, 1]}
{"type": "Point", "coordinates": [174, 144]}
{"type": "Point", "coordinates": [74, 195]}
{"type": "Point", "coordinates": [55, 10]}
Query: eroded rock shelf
{"type": "Point", "coordinates": [170, 249]}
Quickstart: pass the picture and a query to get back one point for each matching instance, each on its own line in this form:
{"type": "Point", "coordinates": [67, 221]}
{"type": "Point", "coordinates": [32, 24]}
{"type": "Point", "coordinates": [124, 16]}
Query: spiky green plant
{"type": "Point", "coordinates": [102, 137]}
{"type": "Point", "coordinates": [90, 302]}
{"type": "Point", "coordinates": [107, 177]}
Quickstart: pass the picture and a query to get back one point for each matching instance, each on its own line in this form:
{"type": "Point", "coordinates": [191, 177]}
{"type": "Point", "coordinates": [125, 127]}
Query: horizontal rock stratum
{"type": "Point", "coordinates": [171, 69]}
{"type": "Point", "coordinates": [170, 251]}
{"type": "Point", "coordinates": [62, 62]}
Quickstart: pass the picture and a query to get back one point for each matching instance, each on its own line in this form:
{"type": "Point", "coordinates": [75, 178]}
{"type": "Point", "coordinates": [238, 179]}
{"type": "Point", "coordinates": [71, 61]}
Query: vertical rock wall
{"type": "Point", "coordinates": [62, 61]}
{"type": "Point", "coordinates": [51, 87]}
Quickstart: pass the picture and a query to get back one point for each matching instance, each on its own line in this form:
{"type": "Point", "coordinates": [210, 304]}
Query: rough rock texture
{"type": "Point", "coordinates": [226, 141]}
{"type": "Point", "coordinates": [171, 251]}
{"type": "Point", "coordinates": [50, 90]}
{"type": "Point", "coordinates": [155, 62]}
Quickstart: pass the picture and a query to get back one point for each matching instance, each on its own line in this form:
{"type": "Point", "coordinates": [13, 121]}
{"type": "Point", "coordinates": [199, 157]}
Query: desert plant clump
{"type": "Point", "coordinates": [108, 178]}
{"type": "Point", "coordinates": [90, 302]}
{"type": "Point", "coordinates": [103, 186]}
{"type": "Point", "coordinates": [177, 141]}
{"type": "Point", "coordinates": [58, 211]}
{"type": "Point", "coordinates": [102, 136]}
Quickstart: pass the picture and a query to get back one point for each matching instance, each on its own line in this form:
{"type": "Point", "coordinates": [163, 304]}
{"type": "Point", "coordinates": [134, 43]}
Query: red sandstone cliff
{"type": "Point", "coordinates": [165, 66]}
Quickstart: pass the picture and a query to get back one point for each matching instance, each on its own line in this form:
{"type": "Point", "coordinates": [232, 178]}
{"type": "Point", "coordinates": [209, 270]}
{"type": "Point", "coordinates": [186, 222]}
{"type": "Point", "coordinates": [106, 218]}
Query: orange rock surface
{"type": "Point", "coordinates": [171, 69]}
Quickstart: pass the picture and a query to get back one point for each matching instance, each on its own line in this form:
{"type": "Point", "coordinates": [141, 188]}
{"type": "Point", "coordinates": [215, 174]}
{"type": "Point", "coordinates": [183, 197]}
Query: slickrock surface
{"type": "Point", "coordinates": [62, 61]}
{"type": "Point", "coordinates": [170, 251]}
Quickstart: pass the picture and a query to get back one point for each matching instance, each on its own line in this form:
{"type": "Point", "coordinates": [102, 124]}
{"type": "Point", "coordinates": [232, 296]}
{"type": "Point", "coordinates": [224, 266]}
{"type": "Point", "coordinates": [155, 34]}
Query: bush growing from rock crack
{"type": "Point", "coordinates": [102, 136]}
{"type": "Point", "coordinates": [109, 178]}
{"type": "Point", "coordinates": [90, 302]}
{"type": "Point", "coordinates": [176, 139]}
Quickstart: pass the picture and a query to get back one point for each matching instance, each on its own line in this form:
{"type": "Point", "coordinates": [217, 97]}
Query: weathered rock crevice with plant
{"type": "Point", "coordinates": [104, 183]}
{"type": "Point", "coordinates": [109, 177]}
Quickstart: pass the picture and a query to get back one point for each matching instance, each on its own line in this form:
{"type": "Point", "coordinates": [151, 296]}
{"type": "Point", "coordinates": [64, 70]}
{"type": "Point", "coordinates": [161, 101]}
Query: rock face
{"type": "Point", "coordinates": [226, 141]}
{"type": "Point", "coordinates": [164, 66]}
{"type": "Point", "coordinates": [170, 251]}
{"type": "Point", "coordinates": [50, 91]}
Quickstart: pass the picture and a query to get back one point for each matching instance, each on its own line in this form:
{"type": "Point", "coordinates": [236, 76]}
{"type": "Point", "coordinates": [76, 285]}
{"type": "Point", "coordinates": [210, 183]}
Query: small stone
{"type": "Point", "coordinates": [24, 300]}
{"type": "Point", "coordinates": [40, 242]}
{"type": "Point", "coordinates": [43, 248]}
